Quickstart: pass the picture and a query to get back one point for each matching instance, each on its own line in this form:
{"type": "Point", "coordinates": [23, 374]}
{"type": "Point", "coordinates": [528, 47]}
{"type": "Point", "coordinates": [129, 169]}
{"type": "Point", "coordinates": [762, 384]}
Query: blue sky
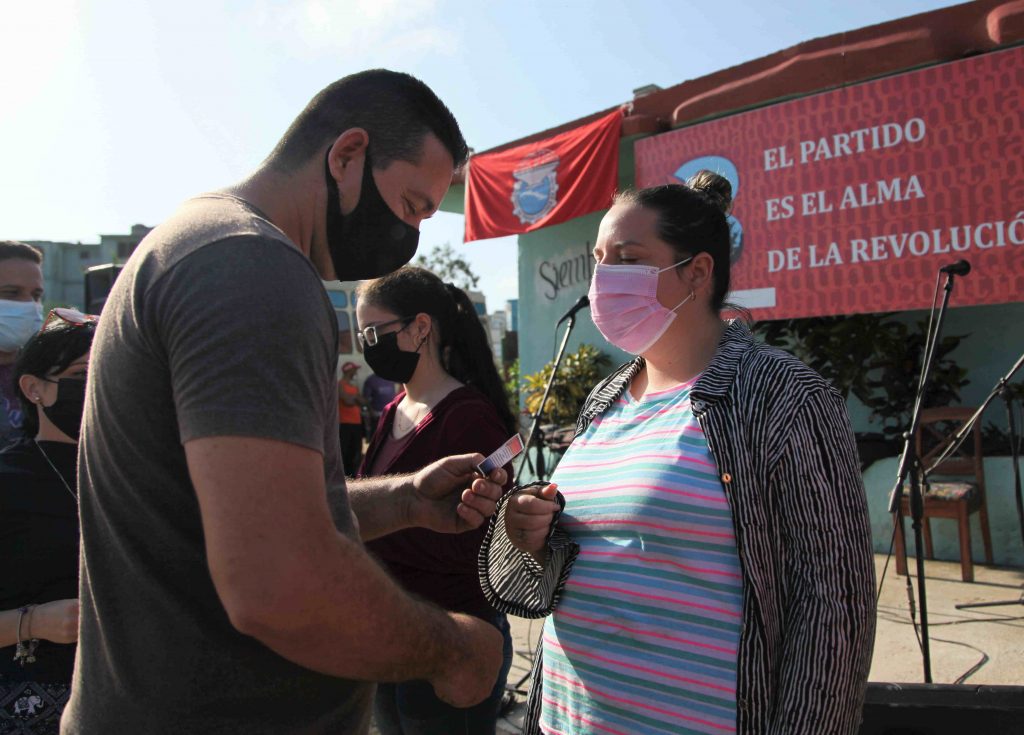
{"type": "Point", "coordinates": [114, 111]}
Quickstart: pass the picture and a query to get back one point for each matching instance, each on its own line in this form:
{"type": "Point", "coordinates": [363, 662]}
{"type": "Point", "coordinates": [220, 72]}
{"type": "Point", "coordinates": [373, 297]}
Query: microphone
{"type": "Point", "coordinates": [959, 268]}
{"type": "Point", "coordinates": [581, 303]}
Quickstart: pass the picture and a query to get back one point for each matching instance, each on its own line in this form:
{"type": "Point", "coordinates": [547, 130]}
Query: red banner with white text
{"type": "Point", "coordinates": [850, 201]}
{"type": "Point", "coordinates": [543, 183]}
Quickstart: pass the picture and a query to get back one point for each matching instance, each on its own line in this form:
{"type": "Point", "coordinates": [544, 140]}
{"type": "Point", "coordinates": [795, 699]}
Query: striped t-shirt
{"type": "Point", "coordinates": [645, 637]}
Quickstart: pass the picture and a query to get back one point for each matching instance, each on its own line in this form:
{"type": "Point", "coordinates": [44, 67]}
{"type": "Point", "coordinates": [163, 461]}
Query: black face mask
{"type": "Point", "coordinates": [371, 240]}
{"type": "Point", "coordinates": [390, 362]}
{"type": "Point", "coordinates": [66, 412]}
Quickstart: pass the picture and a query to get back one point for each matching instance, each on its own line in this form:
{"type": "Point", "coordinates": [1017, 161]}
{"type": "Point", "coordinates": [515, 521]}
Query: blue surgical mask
{"type": "Point", "coordinates": [19, 320]}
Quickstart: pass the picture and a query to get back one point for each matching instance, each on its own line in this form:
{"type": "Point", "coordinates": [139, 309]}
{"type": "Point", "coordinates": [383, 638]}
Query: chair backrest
{"type": "Point", "coordinates": [935, 433]}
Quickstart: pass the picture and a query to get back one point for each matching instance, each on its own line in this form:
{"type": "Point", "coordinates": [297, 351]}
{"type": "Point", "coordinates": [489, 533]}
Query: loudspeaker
{"type": "Point", "coordinates": [98, 282]}
{"type": "Point", "coordinates": [942, 709]}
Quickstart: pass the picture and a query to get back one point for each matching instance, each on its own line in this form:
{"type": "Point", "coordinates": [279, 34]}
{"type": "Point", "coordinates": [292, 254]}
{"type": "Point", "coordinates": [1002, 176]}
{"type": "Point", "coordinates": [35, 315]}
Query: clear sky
{"type": "Point", "coordinates": [114, 111]}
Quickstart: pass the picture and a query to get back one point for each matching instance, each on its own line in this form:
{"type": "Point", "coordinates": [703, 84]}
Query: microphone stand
{"type": "Point", "coordinates": [910, 464]}
{"type": "Point", "coordinates": [1001, 388]}
{"type": "Point", "coordinates": [535, 432]}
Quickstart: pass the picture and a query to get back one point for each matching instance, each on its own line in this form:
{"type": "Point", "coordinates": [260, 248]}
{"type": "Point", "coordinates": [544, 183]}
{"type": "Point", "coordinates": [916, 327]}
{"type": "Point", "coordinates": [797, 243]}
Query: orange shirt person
{"type": "Point", "coordinates": [350, 419]}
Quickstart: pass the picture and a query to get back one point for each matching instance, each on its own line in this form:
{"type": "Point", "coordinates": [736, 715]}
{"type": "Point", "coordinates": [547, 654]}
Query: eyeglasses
{"type": "Point", "coordinates": [369, 337]}
{"type": "Point", "coordinates": [69, 316]}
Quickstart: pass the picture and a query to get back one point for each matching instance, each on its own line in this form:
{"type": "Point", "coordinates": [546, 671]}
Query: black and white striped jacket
{"type": "Point", "coordinates": [782, 443]}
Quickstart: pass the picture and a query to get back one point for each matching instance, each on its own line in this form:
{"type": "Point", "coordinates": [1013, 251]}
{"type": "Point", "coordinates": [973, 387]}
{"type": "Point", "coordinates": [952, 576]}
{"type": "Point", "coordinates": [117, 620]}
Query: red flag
{"type": "Point", "coordinates": [545, 182]}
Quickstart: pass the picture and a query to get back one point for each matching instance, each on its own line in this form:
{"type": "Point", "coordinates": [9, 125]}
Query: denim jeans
{"type": "Point", "coordinates": [412, 708]}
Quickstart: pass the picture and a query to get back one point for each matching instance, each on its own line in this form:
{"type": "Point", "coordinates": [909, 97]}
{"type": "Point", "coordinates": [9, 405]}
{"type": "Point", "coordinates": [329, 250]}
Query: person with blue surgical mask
{"type": "Point", "coordinates": [21, 316]}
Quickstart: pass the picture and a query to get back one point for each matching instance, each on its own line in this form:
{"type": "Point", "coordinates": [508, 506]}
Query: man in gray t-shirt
{"type": "Point", "coordinates": [224, 587]}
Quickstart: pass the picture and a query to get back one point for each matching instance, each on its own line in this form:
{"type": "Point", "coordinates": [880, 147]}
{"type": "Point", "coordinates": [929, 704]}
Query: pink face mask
{"type": "Point", "coordinates": [625, 308]}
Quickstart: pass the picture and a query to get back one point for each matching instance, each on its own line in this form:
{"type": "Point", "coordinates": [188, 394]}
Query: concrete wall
{"type": "Point", "coordinates": [65, 263]}
{"type": "Point", "coordinates": [1004, 526]}
{"type": "Point", "coordinates": [64, 266]}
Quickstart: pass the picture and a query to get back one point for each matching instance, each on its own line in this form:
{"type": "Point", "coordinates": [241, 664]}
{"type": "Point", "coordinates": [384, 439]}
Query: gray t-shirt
{"type": "Point", "coordinates": [218, 326]}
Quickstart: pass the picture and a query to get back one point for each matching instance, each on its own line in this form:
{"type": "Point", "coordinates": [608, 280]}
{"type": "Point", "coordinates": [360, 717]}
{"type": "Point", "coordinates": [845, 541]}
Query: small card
{"type": "Point", "coordinates": [501, 456]}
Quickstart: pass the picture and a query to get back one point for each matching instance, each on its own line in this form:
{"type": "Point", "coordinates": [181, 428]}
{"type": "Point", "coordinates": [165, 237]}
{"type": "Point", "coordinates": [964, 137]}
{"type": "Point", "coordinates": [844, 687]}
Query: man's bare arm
{"type": "Point", "coordinates": [287, 578]}
{"type": "Point", "coordinates": [446, 496]}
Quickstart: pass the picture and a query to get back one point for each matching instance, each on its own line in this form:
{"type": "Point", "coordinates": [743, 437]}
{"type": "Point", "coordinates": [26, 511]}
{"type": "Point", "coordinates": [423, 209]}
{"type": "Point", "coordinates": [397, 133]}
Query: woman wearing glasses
{"type": "Point", "coordinates": [39, 527]}
{"type": "Point", "coordinates": [423, 333]}
{"type": "Point", "coordinates": [709, 567]}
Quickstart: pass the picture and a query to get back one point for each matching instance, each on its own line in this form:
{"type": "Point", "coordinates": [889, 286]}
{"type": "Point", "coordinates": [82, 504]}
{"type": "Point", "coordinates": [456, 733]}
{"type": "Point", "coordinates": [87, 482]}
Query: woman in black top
{"type": "Point", "coordinates": [39, 528]}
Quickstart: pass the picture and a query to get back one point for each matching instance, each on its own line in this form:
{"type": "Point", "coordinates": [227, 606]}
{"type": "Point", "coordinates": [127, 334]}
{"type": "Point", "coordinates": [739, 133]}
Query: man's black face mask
{"type": "Point", "coordinates": [371, 240]}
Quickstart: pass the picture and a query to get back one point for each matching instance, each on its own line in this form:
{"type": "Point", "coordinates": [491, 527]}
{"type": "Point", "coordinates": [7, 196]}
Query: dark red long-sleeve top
{"type": "Point", "coordinates": [439, 567]}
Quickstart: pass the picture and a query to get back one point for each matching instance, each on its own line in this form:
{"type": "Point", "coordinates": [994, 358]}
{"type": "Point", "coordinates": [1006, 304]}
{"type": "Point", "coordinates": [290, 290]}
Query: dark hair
{"type": "Point", "coordinates": [49, 352]}
{"type": "Point", "coordinates": [13, 249]}
{"type": "Point", "coordinates": [691, 218]}
{"type": "Point", "coordinates": [465, 350]}
{"type": "Point", "coordinates": [397, 111]}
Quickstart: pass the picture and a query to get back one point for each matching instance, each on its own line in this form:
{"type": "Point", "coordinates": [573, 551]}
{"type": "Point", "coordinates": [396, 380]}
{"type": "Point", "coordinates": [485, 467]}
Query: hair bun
{"type": "Point", "coordinates": [715, 187]}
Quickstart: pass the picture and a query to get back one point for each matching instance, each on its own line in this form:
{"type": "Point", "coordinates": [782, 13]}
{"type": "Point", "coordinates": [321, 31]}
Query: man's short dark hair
{"type": "Point", "coordinates": [14, 249]}
{"type": "Point", "coordinates": [397, 111]}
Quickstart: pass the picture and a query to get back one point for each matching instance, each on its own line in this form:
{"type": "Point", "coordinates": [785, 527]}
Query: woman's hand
{"type": "Point", "coordinates": [528, 519]}
{"type": "Point", "coordinates": [55, 621]}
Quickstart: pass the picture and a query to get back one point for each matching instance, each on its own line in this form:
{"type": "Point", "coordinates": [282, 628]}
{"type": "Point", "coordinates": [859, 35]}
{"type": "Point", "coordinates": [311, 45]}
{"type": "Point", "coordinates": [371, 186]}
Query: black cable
{"type": "Point", "coordinates": [894, 617]}
{"type": "Point", "coordinates": [910, 587]}
{"type": "Point", "coordinates": [898, 620]}
{"type": "Point", "coordinates": [984, 656]}
{"type": "Point", "coordinates": [885, 568]}
{"type": "Point", "coordinates": [974, 669]}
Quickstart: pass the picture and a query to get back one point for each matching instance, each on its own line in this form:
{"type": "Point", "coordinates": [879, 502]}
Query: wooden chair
{"type": "Point", "coordinates": [944, 498]}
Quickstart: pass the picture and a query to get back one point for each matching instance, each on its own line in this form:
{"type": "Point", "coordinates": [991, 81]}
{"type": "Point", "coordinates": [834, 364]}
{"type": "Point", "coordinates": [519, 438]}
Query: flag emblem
{"type": "Point", "coordinates": [535, 192]}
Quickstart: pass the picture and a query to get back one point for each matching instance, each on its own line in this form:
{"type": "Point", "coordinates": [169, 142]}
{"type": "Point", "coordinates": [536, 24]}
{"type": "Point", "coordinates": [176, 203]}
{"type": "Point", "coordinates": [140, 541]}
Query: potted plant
{"type": "Point", "coordinates": [579, 372]}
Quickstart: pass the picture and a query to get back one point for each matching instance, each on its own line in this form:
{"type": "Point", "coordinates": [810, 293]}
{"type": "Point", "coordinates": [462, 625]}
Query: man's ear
{"type": "Point", "coordinates": [347, 148]}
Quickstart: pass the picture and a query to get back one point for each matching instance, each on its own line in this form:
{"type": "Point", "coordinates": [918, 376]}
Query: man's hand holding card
{"type": "Point", "coordinates": [453, 495]}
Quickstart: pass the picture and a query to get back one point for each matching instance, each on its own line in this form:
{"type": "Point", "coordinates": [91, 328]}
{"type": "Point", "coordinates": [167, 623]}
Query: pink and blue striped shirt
{"type": "Point", "coordinates": [645, 637]}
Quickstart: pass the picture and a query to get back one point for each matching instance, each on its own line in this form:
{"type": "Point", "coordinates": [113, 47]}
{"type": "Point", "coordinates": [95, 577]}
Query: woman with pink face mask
{"type": "Point", "coordinates": [703, 550]}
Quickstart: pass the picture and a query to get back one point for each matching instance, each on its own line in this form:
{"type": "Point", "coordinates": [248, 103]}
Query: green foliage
{"type": "Point", "coordinates": [875, 357]}
{"type": "Point", "coordinates": [895, 374]}
{"type": "Point", "coordinates": [512, 383]}
{"type": "Point", "coordinates": [995, 440]}
{"type": "Point", "coordinates": [1016, 391]}
{"type": "Point", "coordinates": [449, 266]}
{"type": "Point", "coordinates": [579, 372]}
{"type": "Point", "coordinates": [837, 347]}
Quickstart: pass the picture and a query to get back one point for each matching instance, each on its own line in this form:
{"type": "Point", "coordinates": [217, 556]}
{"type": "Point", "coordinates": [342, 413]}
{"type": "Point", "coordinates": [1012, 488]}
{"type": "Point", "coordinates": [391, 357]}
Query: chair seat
{"type": "Point", "coordinates": [951, 491]}
{"type": "Point", "coordinates": [956, 489]}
